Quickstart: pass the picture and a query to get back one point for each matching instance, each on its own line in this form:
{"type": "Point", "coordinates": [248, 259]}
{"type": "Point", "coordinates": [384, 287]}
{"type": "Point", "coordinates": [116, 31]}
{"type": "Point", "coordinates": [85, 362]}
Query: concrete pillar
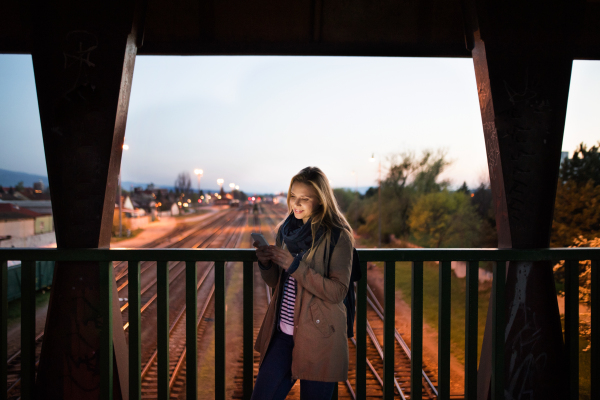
{"type": "Point", "coordinates": [522, 58]}
{"type": "Point", "coordinates": [83, 58]}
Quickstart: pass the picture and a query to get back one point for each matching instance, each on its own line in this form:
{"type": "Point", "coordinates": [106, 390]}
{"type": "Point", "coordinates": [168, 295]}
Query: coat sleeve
{"type": "Point", "coordinates": [333, 288]}
{"type": "Point", "coordinates": [270, 273]}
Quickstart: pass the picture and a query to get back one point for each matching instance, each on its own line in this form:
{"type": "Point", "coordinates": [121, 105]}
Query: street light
{"type": "Point", "coordinates": [220, 182]}
{"type": "Point", "coordinates": [199, 174]}
{"type": "Point", "coordinates": [372, 159]}
{"type": "Point", "coordinates": [125, 147]}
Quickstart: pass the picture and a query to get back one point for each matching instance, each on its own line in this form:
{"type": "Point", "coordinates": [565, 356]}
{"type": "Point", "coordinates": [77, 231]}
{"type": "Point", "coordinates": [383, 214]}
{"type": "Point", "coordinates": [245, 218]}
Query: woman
{"type": "Point", "coordinates": [303, 335]}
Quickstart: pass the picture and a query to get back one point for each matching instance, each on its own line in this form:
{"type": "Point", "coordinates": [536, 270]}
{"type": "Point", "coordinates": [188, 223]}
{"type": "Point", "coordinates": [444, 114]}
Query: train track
{"type": "Point", "coordinates": [177, 334]}
{"type": "Point", "coordinates": [213, 234]}
{"type": "Point", "coordinates": [200, 236]}
{"type": "Point", "coordinates": [374, 348]}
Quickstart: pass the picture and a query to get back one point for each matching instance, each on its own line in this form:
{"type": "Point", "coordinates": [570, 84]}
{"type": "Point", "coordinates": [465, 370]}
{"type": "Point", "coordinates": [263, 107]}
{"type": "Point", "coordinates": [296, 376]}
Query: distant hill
{"type": "Point", "coordinates": [12, 178]}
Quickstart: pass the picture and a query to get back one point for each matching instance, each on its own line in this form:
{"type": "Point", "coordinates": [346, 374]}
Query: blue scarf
{"type": "Point", "coordinates": [298, 235]}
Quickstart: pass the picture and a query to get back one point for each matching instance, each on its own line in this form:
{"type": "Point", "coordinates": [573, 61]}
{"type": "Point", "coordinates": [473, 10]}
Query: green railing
{"type": "Point", "coordinates": [389, 257]}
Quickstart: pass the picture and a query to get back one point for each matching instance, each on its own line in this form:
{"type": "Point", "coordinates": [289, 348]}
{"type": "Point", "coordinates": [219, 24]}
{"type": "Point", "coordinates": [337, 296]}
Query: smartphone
{"type": "Point", "coordinates": [258, 237]}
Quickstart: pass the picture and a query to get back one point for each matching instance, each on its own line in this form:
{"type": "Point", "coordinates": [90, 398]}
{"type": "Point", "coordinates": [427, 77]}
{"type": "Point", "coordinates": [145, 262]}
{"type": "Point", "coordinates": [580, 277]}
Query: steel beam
{"type": "Point", "coordinates": [522, 53]}
{"type": "Point", "coordinates": [83, 58]}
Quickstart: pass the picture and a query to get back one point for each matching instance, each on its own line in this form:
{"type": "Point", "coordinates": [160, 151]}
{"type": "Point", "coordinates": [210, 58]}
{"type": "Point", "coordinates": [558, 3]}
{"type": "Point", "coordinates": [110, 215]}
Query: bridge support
{"type": "Point", "coordinates": [83, 58]}
{"type": "Point", "coordinates": [523, 59]}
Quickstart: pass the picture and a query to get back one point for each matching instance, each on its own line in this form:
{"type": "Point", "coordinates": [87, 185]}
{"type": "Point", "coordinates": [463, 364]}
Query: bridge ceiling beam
{"type": "Point", "coordinates": [404, 28]}
{"type": "Point", "coordinates": [523, 54]}
{"type": "Point", "coordinates": [83, 57]}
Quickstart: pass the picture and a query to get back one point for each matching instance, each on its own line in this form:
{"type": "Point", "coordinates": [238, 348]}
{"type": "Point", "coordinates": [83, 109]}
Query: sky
{"type": "Point", "coordinates": [256, 121]}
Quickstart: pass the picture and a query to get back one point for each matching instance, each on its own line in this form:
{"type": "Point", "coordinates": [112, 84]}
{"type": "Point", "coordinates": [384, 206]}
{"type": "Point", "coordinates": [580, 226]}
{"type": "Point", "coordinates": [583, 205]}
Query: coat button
{"type": "Point", "coordinates": [317, 321]}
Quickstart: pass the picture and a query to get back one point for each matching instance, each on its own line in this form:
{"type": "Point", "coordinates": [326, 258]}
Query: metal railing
{"type": "Point", "coordinates": [389, 257]}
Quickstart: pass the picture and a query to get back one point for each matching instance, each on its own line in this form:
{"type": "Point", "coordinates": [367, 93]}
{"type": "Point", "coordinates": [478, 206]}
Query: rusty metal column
{"type": "Point", "coordinates": [522, 57]}
{"type": "Point", "coordinates": [83, 58]}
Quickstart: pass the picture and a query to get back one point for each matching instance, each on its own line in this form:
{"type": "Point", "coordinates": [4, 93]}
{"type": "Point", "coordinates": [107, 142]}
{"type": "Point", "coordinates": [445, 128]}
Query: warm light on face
{"type": "Point", "coordinates": [303, 200]}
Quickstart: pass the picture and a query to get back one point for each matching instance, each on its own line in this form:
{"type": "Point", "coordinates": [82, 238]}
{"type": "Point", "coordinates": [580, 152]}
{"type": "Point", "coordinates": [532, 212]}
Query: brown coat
{"type": "Point", "coordinates": [320, 338]}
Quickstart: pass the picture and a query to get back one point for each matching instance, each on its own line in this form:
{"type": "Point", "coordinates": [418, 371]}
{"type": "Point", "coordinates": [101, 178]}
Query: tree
{"type": "Point", "coordinates": [20, 186]}
{"type": "Point", "coordinates": [408, 178]}
{"type": "Point", "coordinates": [583, 166]}
{"type": "Point", "coordinates": [576, 212]}
{"type": "Point", "coordinates": [464, 188]}
{"type": "Point", "coordinates": [444, 219]}
{"type": "Point", "coordinates": [344, 198]}
{"type": "Point", "coordinates": [183, 183]}
{"type": "Point", "coordinates": [577, 204]}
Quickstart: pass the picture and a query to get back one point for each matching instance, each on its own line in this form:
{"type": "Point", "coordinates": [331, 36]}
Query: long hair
{"type": "Point", "coordinates": [328, 214]}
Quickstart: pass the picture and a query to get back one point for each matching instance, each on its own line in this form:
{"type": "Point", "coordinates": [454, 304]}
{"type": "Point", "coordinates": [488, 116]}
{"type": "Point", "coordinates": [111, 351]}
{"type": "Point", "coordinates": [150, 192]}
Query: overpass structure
{"type": "Point", "coordinates": [84, 54]}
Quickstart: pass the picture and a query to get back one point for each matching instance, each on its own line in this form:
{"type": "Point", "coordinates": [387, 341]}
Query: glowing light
{"type": "Point", "coordinates": [202, 197]}
{"type": "Point", "coordinates": [125, 146]}
{"type": "Point", "coordinates": [253, 198]}
{"type": "Point", "coordinates": [189, 200]}
{"type": "Point", "coordinates": [179, 203]}
{"type": "Point", "coordinates": [199, 201]}
{"type": "Point", "coordinates": [237, 187]}
{"type": "Point", "coordinates": [198, 172]}
{"type": "Point", "coordinates": [185, 204]}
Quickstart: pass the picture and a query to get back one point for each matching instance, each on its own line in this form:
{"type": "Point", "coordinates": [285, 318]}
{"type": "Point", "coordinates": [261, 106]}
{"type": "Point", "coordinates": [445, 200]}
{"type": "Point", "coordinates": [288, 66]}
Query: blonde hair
{"type": "Point", "coordinates": [328, 214]}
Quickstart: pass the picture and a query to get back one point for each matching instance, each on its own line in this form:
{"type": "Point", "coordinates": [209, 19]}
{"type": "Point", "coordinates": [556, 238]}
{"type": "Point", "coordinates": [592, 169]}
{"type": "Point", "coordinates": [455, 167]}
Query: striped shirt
{"type": "Point", "coordinates": [288, 302]}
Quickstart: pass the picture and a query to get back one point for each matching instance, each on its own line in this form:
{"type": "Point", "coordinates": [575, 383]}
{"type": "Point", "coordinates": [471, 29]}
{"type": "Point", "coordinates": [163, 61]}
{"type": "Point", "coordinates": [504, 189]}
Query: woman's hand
{"type": "Point", "coordinates": [281, 257]}
{"type": "Point", "coordinates": [263, 254]}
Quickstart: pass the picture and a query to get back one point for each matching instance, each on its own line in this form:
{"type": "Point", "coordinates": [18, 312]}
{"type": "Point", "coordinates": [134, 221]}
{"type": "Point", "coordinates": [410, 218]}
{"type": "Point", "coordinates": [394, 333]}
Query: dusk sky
{"type": "Point", "coordinates": [256, 121]}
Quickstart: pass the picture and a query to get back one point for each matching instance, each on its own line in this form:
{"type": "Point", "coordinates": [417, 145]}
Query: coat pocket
{"type": "Point", "coordinates": [319, 321]}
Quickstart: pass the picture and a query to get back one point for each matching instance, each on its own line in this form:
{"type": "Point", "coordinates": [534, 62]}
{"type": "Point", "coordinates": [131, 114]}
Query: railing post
{"type": "Point", "coordinates": [361, 334]}
{"type": "Point", "coordinates": [191, 341]}
{"type": "Point", "coordinates": [498, 330]}
{"type": "Point", "coordinates": [389, 300]}
{"type": "Point", "coordinates": [106, 345]}
{"type": "Point", "coordinates": [162, 324]}
{"type": "Point", "coordinates": [471, 330]}
{"type": "Point", "coordinates": [444, 330]}
{"type": "Point", "coordinates": [572, 326]}
{"type": "Point", "coordinates": [27, 329]}
{"type": "Point", "coordinates": [3, 327]}
{"type": "Point", "coordinates": [248, 375]}
{"type": "Point", "coordinates": [220, 330]}
{"type": "Point", "coordinates": [416, 334]}
{"type": "Point", "coordinates": [595, 327]}
{"type": "Point", "coordinates": [135, 330]}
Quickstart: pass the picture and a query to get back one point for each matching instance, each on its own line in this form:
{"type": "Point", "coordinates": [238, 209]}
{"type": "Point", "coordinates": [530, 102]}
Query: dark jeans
{"type": "Point", "coordinates": [274, 379]}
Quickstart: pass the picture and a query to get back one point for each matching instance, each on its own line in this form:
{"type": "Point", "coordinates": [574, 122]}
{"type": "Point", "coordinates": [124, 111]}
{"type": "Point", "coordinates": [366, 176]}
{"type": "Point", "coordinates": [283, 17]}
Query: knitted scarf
{"type": "Point", "coordinates": [298, 235]}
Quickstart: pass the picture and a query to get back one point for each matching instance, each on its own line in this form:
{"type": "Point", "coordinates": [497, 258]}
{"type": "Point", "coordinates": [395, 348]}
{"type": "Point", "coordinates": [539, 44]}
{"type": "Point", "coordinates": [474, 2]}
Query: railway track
{"type": "Point", "coordinates": [177, 348]}
{"type": "Point", "coordinates": [215, 233]}
{"type": "Point", "coordinates": [201, 236]}
{"type": "Point", "coordinates": [272, 216]}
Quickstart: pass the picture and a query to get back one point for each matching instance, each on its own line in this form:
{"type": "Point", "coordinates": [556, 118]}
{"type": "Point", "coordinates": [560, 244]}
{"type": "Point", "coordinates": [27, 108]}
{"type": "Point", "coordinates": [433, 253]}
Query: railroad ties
{"type": "Point", "coordinates": [227, 230]}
